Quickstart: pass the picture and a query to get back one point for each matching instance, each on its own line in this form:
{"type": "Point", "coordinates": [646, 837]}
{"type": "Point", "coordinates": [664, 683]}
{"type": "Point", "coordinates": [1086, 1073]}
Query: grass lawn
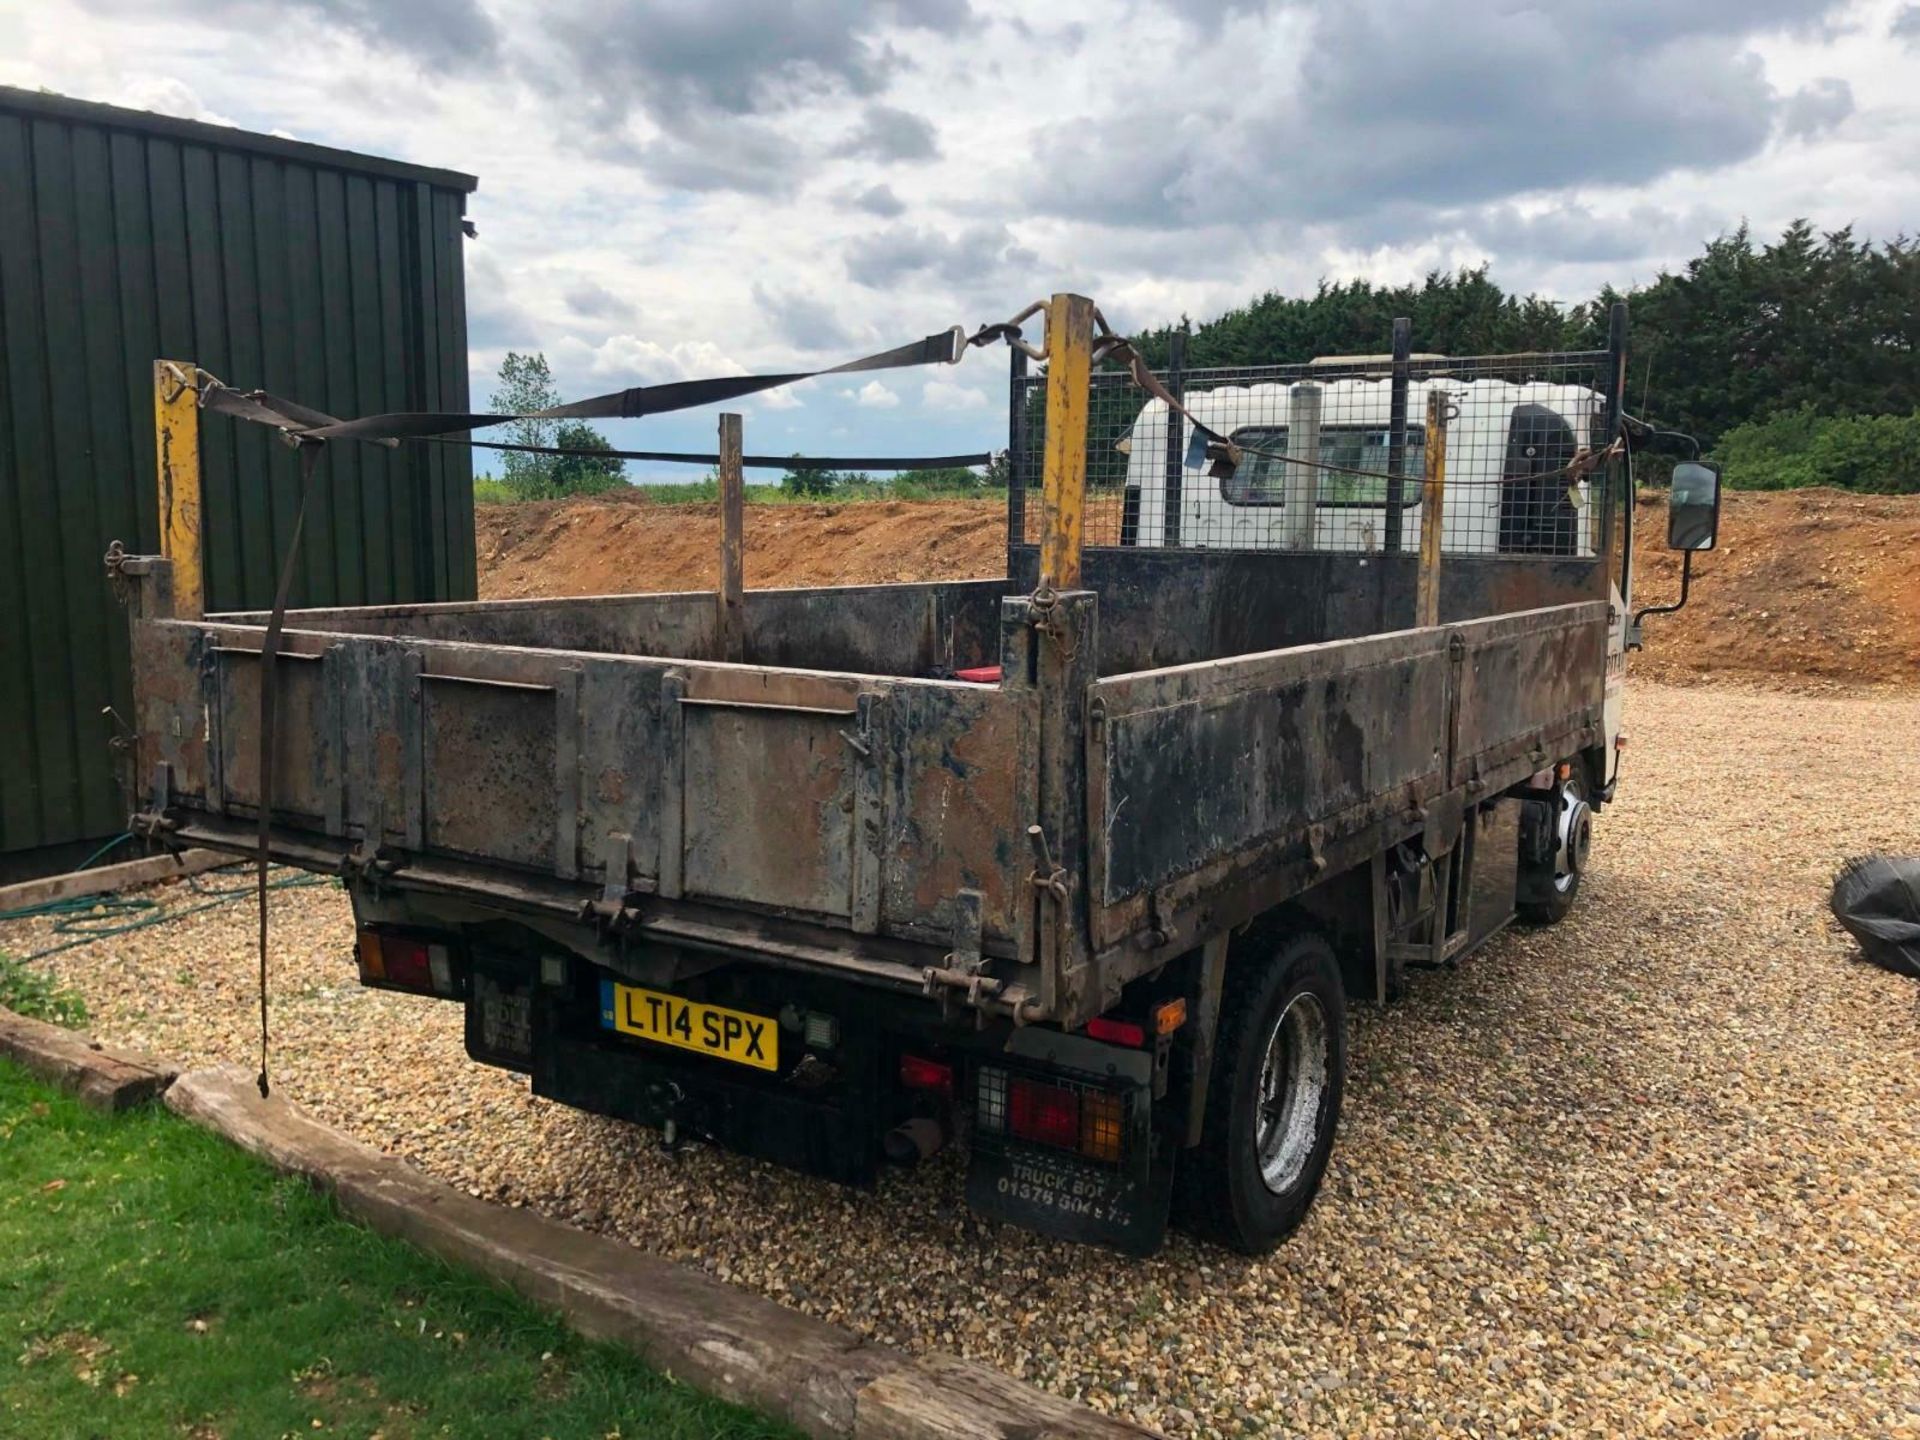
{"type": "Point", "coordinates": [155, 1281]}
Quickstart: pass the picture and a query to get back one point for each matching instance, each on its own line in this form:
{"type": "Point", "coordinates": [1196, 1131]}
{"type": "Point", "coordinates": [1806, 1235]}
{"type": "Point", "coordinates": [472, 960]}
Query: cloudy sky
{"type": "Point", "coordinates": [689, 187]}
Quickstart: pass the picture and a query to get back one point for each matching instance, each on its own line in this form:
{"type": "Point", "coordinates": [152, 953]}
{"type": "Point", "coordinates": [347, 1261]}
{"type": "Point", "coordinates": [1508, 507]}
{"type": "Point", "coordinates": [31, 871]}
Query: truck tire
{"type": "Point", "coordinates": [1273, 1103]}
{"type": "Point", "coordinates": [1547, 889]}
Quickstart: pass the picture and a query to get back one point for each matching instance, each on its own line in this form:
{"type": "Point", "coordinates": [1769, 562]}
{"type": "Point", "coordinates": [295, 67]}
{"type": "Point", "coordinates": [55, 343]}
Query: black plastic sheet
{"type": "Point", "coordinates": [1876, 899]}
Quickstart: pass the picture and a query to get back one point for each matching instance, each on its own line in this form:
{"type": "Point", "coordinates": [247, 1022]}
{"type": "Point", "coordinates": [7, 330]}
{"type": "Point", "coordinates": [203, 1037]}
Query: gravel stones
{"type": "Point", "coordinates": [1653, 1171]}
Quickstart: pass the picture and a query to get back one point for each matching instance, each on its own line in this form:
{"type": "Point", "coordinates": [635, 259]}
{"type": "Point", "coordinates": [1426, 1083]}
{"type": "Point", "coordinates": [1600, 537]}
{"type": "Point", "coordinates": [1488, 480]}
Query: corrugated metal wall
{"type": "Point", "coordinates": [331, 278]}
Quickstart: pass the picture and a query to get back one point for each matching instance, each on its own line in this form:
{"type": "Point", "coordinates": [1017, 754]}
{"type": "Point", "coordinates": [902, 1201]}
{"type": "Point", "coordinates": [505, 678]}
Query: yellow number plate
{"type": "Point", "coordinates": [705, 1029]}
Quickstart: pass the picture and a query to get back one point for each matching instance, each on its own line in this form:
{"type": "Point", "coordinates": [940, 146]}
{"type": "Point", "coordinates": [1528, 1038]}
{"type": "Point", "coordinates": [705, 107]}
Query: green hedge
{"type": "Point", "coordinates": [1879, 454]}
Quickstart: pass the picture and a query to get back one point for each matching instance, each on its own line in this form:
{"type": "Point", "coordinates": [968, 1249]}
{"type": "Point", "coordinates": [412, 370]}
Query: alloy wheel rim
{"type": "Point", "coordinates": [1293, 1084]}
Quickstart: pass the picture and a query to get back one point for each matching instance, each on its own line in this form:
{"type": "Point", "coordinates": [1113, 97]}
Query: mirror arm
{"type": "Point", "coordinates": [1686, 584]}
{"type": "Point", "coordinates": [1639, 432]}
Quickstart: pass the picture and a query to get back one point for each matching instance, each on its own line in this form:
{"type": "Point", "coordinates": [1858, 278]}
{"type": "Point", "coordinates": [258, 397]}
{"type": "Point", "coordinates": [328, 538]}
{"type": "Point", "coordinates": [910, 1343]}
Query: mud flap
{"type": "Point", "coordinates": [1121, 1202]}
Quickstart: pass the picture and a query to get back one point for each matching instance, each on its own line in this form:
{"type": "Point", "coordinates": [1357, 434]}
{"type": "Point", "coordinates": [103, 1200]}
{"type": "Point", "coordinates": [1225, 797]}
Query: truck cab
{"type": "Point", "coordinates": [1502, 433]}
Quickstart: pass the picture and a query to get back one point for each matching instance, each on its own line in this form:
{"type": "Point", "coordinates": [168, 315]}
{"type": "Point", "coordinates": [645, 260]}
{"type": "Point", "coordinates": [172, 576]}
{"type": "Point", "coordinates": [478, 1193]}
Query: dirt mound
{"type": "Point", "coordinates": [1809, 587]}
{"type": "Point", "coordinates": [596, 547]}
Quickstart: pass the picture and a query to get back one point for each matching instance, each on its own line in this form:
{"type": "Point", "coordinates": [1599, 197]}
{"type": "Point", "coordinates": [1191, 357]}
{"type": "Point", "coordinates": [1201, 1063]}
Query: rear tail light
{"type": "Point", "coordinates": [918, 1073]}
{"type": "Point", "coordinates": [1045, 1114]}
{"type": "Point", "coordinates": [1117, 1032]}
{"type": "Point", "coordinates": [1165, 1018]}
{"type": "Point", "coordinates": [1103, 1129]}
{"type": "Point", "coordinates": [1067, 1117]}
{"type": "Point", "coordinates": [407, 962]}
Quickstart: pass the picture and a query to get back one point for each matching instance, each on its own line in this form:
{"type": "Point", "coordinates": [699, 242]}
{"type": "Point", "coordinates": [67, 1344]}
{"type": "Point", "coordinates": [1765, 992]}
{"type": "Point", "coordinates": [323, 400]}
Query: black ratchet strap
{"type": "Point", "coordinates": [944, 348]}
{"type": "Point", "coordinates": [269, 706]}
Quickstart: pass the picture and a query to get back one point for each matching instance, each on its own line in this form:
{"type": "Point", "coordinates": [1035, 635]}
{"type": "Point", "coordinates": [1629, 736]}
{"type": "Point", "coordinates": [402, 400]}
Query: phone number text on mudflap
{"type": "Point", "coordinates": [1070, 1192]}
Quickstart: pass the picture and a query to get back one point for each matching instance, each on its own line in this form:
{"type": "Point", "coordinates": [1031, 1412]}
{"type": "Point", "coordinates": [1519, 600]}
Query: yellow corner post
{"type": "Point", "coordinates": [1433, 512]}
{"type": "Point", "coordinates": [1063, 495]}
{"type": "Point", "coordinates": [176, 434]}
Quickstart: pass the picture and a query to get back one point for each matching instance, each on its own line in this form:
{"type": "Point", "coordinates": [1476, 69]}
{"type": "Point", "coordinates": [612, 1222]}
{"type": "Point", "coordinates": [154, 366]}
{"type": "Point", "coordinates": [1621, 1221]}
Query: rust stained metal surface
{"type": "Point", "coordinates": [783, 790]}
{"type": "Point", "coordinates": [1160, 608]}
{"type": "Point", "coordinates": [1528, 686]}
{"type": "Point", "coordinates": [680, 624]}
{"type": "Point", "coordinates": [299, 750]}
{"type": "Point", "coordinates": [168, 721]}
{"type": "Point", "coordinates": [878, 629]}
{"type": "Point", "coordinates": [1234, 760]}
{"type": "Point", "coordinates": [861, 629]}
{"type": "Point", "coordinates": [960, 762]}
{"type": "Point", "coordinates": [488, 769]}
{"type": "Point", "coordinates": [1249, 779]}
{"type": "Point", "coordinates": [769, 807]}
{"type": "Point", "coordinates": [795, 814]}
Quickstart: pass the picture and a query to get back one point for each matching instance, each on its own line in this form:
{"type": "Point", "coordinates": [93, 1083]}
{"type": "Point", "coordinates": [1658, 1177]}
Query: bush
{"type": "Point", "coordinates": [488, 491]}
{"type": "Point", "coordinates": [584, 472]}
{"type": "Point", "coordinates": [806, 482]}
{"type": "Point", "coordinates": [938, 484]}
{"type": "Point", "coordinates": [1879, 454]}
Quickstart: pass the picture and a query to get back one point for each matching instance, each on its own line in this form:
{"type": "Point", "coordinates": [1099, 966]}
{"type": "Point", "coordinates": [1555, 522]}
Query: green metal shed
{"type": "Point", "coordinates": [332, 278]}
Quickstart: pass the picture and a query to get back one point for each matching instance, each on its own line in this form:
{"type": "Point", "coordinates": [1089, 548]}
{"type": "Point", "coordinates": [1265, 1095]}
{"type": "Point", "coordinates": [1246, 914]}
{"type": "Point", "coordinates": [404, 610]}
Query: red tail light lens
{"type": "Point", "coordinates": [918, 1073]}
{"type": "Point", "coordinates": [1045, 1114]}
{"type": "Point", "coordinates": [1093, 1122]}
{"type": "Point", "coordinates": [407, 962]}
{"type": "Point", "coordinates": [1117, 1032]}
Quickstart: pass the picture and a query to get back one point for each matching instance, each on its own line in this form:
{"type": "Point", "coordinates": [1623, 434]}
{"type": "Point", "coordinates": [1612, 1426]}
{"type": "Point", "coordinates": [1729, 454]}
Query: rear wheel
{"type": "Point", "coordinates": [1273, 1104]}
{"type": "Point", "coordinates": [1549, 886]}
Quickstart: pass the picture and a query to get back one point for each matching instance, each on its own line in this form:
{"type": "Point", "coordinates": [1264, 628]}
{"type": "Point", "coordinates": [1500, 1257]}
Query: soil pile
{"type": "Point", "coordinates": [1808, 587]}
{"type": "Point", "coordinates": [605, 547]}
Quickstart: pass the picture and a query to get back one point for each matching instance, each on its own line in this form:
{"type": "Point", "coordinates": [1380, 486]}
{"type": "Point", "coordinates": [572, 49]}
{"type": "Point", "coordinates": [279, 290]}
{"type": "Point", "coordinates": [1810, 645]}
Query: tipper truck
{"type": "Point", "coordinates": [1298, 678]}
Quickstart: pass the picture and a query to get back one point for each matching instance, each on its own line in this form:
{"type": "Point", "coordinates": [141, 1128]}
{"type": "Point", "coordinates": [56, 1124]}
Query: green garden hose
{"type": "Point", "coordinates": [88, 918]}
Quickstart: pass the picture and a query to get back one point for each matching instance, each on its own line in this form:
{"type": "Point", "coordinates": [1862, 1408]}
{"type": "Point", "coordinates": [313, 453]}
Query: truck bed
{"type": "Point", "coordinates": [835, 804]}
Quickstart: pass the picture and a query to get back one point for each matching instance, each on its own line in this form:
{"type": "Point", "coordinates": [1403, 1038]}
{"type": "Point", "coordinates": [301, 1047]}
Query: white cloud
{"type": "Point", "coordinates": [165, 95]}
{"type": "Point", "coordinates": [674, 190]}
{"type": "Point", "coordinates": [781, 399]}
{"type": "Point", "coordinates": [945, 395]}
{"type": "Point", "coordinates": [874, 396]}
{"type": "Point", "coordinates": [644, 362]}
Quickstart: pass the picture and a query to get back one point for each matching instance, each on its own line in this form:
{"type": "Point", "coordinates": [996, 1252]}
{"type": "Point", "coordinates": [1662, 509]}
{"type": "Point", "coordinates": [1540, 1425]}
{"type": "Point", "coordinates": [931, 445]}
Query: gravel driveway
{"type": "Point", "coordinates": [1656, 1171]}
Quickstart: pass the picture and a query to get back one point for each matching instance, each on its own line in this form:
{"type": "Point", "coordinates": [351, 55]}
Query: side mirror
{"type": "Point", "coordinates": [1693, 506]}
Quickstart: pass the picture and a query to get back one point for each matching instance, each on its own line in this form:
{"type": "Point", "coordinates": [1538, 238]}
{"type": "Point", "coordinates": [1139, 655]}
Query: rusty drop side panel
{"type": "Point", "coordinates": [906, 630]}
{"type": "Point", "coordinates": [1525, 683]}
{"type": "Point", "coordinates": [682, 624]}
{"type": "Point", "coordinates": [1161, 608]}
{"type": "Point", "coordinates": [1224, 760]}
{"type": "Point", "coordinates": [487, 753]}
{"type": "Point", "coordinates": [1218, 789]}
{"type": "Point", "coordinates": [792, 793]}
{"type": "Point", "coordinates": [300, 751]}
{"type": "Point", "coordinates": [959, 761]}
